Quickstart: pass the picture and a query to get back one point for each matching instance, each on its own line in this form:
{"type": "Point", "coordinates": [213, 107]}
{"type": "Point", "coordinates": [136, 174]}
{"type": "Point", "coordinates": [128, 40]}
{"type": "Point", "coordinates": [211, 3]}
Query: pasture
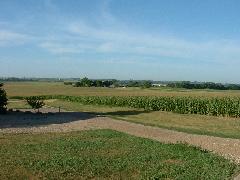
{"type": "Point", "coordinates": [52, 88]}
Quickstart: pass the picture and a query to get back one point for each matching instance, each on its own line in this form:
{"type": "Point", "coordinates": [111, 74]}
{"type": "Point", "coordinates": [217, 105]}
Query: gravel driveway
{"type": "Point", "coordinates": [26, 122]}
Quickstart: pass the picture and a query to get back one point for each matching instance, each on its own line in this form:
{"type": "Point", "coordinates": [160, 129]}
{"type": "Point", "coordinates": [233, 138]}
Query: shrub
{"type": "Point", "coordinates": [68, 83]}
{"type": "Point", "coordinates": [3, 100]}
{"type": "Point", "coordinates": [35, 102]}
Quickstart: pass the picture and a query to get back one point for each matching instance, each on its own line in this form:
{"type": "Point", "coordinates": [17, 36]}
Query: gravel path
{"type": "Point", "coordinates": [75, 121]}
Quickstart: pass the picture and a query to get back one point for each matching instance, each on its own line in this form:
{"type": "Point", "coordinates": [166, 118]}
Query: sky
{"type": "Point", "coordinates": [194, 40]}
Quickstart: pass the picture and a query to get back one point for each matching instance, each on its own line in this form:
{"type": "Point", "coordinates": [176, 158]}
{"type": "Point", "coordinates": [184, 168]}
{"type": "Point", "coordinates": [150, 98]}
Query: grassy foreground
{"type": "Point", "coordinates": [191, 123]}
{"type": "Point", "coordinates": [105, 154]}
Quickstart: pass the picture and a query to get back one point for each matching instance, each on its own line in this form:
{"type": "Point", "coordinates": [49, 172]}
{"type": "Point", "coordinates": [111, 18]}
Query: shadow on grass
{"type": "Point", "coordinates": [28, 119]}
{"type": "Point", "coordinates": [22, 119]}
{"type": "Point", "coordinates": [123, 113]}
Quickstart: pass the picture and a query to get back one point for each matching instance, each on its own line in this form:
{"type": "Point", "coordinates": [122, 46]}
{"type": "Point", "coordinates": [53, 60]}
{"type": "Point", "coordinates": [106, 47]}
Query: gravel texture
{"type": "Point", "coordinates": [28, 122]}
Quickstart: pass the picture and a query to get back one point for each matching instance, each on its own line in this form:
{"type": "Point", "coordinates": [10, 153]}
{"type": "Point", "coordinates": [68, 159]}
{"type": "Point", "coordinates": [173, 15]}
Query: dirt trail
{"type": "Point", "coordinates": [74, 121]}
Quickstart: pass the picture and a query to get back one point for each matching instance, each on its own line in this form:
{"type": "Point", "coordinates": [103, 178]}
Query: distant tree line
{"type": "Point", "coordinates": [85, 82]}
{"type": "Point", "coordinates": [15, 79]}
{"type": "Point", "coordinates": [143, 84]}
{"type": "Point", "coordinates": [204, 85]}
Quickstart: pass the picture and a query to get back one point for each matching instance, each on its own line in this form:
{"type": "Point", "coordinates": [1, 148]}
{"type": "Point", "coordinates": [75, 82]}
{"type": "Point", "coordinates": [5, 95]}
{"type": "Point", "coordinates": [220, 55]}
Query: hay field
{"type": "Point", "coordinates": [53, 88]}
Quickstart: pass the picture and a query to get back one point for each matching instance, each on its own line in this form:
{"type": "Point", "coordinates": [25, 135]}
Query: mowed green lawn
{"type": "Point", "coordinates": [190, 123]}
{"type": "Point", "coordinates": [105, 154]}
{"type": "Point", "coordinates": [52, 88]}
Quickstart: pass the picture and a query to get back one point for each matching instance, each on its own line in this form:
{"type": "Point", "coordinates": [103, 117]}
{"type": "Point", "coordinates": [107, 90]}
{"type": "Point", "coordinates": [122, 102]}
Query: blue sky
{"type": "Point", "coordinates": [138, 39]}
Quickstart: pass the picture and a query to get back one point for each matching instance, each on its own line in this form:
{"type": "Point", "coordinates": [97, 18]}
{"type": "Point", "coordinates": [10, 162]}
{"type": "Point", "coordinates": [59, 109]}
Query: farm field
{"type": "Point", "coordinates": [51, 88]}
{"type": "Point", "coordinates": [118, 166]}
{"type": "Point", "coordinates": [105, 154]}
{"type": "Point", "coordinates": [119, 89]}
{"type": "Point", "coordinates": [191, 123]}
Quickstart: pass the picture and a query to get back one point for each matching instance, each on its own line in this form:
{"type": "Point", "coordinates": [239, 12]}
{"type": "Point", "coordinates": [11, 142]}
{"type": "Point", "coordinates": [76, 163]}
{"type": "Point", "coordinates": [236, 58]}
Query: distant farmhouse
{"type": "Point", "coordinates": [159, 85]}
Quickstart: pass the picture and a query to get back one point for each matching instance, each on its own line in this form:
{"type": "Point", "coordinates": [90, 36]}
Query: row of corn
{"type": "Point", "coordinates": [184, 105]}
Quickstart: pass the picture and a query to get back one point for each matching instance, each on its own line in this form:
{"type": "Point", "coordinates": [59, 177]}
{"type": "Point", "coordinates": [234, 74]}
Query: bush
{"type": "Point", "coordinates": [68, 83]}
{"type": "Point", "coordinates": [35, 102]}
{"type": "Point", "coordinates": [3, 100]}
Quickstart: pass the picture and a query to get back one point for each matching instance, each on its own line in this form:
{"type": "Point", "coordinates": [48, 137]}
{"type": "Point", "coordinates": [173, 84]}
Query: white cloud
{"type": "Point", "coordinates": [122, 61]}
{"type": "Point", "coordinates": [12, 38]}
{"type": "Point", "coordinates": [105, 12]}
{"type": "Point", "coordinates": [85, 38]}
{"type": "Point", "coordinates": [113, 37]}
{"type": "Point", "coordinates": [56, 48]}
{"type": "Point", "coordinates": [59, 47]}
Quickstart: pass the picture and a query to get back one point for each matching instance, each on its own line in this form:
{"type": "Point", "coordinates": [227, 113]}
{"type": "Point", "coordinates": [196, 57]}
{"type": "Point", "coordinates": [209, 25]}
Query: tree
{"type": "Point", "coordinates": [146, 84]}
{"type": "Point", "coordinates": [35, 102]}
{"type": "Point", "coordinates": [68, 83]}
{"type": "Point", "coordinates": [99, 83]}
{"type": "Point", "coordinates": [107, 83]}
{"type": "Point", "coordinates": [133, 84]}
{"type": "Point", "coordinates": [86, 82]}
{"type": "Point", "coordinates": [78, 84]}
{"type": "Point", "coordinates": [3, 100]}
{"type": "Point", "coordinates": [115, 83]}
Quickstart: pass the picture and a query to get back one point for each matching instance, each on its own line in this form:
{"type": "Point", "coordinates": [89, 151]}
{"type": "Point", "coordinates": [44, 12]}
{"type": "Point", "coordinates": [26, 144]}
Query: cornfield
{"type": "Point", "coordinates": [184, 105]}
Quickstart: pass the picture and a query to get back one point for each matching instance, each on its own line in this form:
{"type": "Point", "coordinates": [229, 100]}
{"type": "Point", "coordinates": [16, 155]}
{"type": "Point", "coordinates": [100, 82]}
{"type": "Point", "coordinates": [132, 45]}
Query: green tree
{"type": "Point", "coordinates": [35, 102]}
{"type": "Point", "coordinates": [3, 100]}
{"type": "Point", "coordinates": [133, 84]}
{"type": "Point", "coordinates": [99, 83]}
{"type": "Point", "coordinates": [115, 83]}
{"type": "Point", "coordinates": [78, 84]}
{"type": "Point", "coordinates": [86, 82]}
{"type": "Point", "coordinates": [146, 84]}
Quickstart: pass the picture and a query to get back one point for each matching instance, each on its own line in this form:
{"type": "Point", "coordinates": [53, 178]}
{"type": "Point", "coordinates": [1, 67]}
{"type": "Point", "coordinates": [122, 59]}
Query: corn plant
{"type": "Point", "coordinates": [184, 105]}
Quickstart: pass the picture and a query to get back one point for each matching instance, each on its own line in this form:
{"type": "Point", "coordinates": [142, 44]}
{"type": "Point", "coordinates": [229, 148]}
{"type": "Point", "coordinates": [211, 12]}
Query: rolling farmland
{"type": "Point", "coordinates": [207, 112]}
{"type": "Point", "coordinates": [50, 88]}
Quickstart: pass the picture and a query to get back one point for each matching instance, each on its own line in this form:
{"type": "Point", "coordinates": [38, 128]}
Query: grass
{"type": "Point", "coordinates": [190, 123]}
{"type": "Point", "coordinates": [16, 104]}
{"type": "Point", "coordinates": [105, 154]}
{"type": "Point", "coordinates": [50, 88]}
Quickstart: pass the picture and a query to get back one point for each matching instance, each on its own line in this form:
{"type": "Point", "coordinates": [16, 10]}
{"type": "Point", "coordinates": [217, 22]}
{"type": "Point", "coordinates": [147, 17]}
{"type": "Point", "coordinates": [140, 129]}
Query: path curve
{"type": "Point", "coordinates": [229, 148]}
